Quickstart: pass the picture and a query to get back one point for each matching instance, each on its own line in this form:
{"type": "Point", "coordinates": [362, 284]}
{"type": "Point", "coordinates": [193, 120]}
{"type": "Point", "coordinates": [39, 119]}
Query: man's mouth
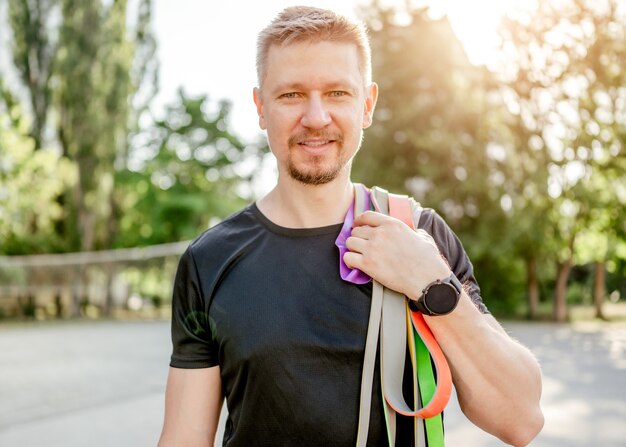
{"type": "Point", "coordinates": [315, 143]}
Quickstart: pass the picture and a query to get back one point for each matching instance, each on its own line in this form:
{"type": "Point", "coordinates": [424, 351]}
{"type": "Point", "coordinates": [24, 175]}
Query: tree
{"type": "Point", "coordinates": [563, 79]}
{"type": "Point", "coordinates": [121, 184]}
{"type": "Point", "coordinates": [521, 161]}
{"type": "Point", "coordinates": [188, 175]}
{"type": "Point", "coordinates": [93, 64]}
{"type": "Point", "coordinates": [436, 135]}
{"type": "Point", "coordinates": [30, 183]}
{"type": "Point", "coordinates": [34, 48]}
{"type": "Point", "coordinates": [602, 114]}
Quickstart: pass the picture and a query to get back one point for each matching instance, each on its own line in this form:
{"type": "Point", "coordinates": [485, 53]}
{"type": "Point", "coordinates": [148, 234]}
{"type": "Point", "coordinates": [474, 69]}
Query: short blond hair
{"type": "Point", "coordinates": [310, 24]}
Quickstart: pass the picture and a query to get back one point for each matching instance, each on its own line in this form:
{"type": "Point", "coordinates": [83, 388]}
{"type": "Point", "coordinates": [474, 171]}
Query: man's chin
{"type": "Point", "coordinates": [314, 178]}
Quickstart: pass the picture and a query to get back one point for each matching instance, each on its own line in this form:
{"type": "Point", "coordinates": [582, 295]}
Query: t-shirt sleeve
{"type": "Point", "coordinates": [452, 249]}
{"type": "Point", "coordinates": [192, 340]}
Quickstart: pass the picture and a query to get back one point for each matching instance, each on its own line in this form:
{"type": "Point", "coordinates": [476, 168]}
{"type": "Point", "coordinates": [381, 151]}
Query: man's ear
{"type": "Point", "coordinates": [371, 96]}
{"type": "Point", "coordinates": [256, 93]}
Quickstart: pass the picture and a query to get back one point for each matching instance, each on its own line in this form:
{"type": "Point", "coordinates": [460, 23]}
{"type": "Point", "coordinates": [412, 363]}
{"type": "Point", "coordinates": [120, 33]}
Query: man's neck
{"type": "Point", "coordinates": [293, 204]}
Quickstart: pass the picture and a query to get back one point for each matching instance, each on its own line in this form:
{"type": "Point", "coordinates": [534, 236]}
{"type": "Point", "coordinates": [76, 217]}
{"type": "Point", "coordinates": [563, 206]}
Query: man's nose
{"type": "Point", "coordinates": [316, 114]}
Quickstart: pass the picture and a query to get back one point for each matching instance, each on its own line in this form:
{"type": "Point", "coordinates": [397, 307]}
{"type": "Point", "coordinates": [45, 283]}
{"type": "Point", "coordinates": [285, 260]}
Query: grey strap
{"type": "Point", "coordinates": [388, 317]}
{"type": "Point", "coordinates": [371, 342]}
{"type": "Point", "coordinates": [381, 204]}
{"type": "Point", "coordinates": [417, 212]}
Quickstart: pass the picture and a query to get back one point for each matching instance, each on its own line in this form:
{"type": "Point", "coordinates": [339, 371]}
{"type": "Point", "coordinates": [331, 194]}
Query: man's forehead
{"type": "Point", "coordinates": [336, 60]}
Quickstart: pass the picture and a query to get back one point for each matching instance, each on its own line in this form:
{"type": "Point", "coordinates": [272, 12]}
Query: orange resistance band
{"type": "Point", "coordinates": [400, 208]}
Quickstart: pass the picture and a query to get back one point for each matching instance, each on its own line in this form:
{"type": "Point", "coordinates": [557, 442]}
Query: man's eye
{"type": "Point", "coordinates": [290, 95]}
{"type": "Point", "coordinates": [338, 94]}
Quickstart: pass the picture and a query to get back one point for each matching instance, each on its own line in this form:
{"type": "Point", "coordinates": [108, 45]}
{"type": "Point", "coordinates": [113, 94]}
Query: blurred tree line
{"type": "Point", "coordinates": [83, 163]}
{"type": "Point", "coordinates": [525, 161]}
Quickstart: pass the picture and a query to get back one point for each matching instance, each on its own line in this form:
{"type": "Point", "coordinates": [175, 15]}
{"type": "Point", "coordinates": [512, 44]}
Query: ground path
{"type": "Point", "coordinates": [100, 384]}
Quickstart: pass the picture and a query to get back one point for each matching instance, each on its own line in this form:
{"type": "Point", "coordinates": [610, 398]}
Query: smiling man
{"type": "Point", "coordinates": [312, 99]}
{"type": "Point", "coordinates": [261, 315]}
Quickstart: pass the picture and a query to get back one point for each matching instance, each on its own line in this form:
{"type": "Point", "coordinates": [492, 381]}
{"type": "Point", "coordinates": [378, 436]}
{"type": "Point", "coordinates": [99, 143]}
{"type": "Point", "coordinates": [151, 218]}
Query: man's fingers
{"type": "Point", "coordinates": [363, 232]}
{"type": "Point", "coordinates": [353, 259]}
{"type": "Point", "coordinates": [371, 218]}
{"type": "Point", "coordinates": [356, 244]}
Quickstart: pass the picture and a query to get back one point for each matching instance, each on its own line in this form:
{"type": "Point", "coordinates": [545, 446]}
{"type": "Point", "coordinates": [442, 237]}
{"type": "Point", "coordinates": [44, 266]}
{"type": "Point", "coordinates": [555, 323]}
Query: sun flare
{"type": "Point", "coordinates": [476, 24]}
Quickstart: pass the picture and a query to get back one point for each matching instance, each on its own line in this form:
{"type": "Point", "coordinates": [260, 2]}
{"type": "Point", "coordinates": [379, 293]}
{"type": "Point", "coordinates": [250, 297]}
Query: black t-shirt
{"type": "Point", "coordinates": [267, 304]}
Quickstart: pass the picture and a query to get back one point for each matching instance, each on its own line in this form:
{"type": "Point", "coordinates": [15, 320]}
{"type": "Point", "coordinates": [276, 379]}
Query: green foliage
{"type": "Point", "coordinates": [117, 185]}
{"type": "Point", "coordinates": [187, 176]}
{"type": "Point", "coordinates": [94, 87]}
{"type": "Point", "coordinates": [426, 111]}
{"type": "Point", "coordinates": [433, 136]}
{"type": "Point", "coordinates": [30, 184]}
{"type": "Point", "coordinates": [83, 66]}
{"type": "Point", "coordinates": [526, 163]}
{"type": "Point", "coordinates": [563, 81]}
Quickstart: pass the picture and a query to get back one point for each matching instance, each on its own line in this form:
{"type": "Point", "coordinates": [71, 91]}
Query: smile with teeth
{"type": "Point", "coordinates": [316, 143]}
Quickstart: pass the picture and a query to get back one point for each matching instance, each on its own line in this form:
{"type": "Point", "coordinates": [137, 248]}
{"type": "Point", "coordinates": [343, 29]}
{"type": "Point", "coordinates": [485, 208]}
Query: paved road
{"type": "Point", "coordinates": [100, 384]}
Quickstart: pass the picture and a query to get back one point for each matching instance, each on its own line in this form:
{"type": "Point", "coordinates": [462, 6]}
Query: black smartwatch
{"type": "Point", "coordinates": [440, 297]}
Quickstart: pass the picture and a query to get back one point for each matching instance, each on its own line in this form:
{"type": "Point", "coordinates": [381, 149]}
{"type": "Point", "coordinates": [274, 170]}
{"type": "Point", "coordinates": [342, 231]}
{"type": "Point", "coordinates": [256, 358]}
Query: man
{"type": "Point", "coordinates": [260, 313]}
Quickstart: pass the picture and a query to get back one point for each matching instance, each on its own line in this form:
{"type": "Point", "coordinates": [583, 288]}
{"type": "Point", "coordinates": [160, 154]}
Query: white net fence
{"type": "Point", "coordinates": [95, 283]}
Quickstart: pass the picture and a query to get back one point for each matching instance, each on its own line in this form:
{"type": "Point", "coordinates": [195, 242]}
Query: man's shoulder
{"type": "Point", "coordinates": [425, 217]}
{"type": "Point", "coordinates": [233, 230]}
{"type": "Point", "coordinates": [433, 223]}
{"type": "Point", "coordinates": [429, 218]}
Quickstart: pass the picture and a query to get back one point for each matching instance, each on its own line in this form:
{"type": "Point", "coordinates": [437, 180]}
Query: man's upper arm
{"type": "Point", "coordinates": [193, 401]}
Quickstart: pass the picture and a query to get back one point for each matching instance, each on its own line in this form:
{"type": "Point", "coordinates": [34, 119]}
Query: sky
{"type": "Point", "coordinates": [208, 47]}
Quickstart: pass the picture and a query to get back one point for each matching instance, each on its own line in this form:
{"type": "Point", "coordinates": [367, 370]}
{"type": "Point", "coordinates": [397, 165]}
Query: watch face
{"type": "Point", "coordinates": [441, 298]}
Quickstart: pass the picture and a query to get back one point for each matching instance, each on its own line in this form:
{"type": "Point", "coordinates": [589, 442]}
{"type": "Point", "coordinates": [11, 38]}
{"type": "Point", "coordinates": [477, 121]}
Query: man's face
{"type": "Point", "coordinates": [314, 105]}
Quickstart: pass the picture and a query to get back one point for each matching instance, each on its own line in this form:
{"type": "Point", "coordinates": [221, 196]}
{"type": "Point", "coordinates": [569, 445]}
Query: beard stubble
{"type": "Point", "coordinates": [316, 174]}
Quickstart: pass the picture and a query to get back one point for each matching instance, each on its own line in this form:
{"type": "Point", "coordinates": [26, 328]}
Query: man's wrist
{"type": "Point", "coordinates": [439, 297]}
{"type": "Point", "coordinates": [419, 283]}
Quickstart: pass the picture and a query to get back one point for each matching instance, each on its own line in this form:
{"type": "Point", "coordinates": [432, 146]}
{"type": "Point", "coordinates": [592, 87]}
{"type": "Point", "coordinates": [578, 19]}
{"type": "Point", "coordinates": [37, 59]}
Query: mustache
{"type": "Point", "coordinates": [323, 135]}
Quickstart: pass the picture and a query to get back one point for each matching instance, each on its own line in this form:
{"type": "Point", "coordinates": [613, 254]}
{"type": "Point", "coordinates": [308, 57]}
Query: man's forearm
{"type": "Point", "coordinates": [498, 381]}
{"type": "Point", "coordinates": [193, 401]}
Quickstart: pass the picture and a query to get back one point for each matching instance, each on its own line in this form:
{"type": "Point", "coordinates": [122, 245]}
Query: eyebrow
{"type": "Point", "coordinates": [297, 86]}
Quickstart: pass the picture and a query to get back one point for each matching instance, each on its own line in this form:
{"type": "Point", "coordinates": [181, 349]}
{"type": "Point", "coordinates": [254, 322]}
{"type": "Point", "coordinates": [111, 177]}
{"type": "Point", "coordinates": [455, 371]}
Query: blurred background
{"type": "Point", "coordinates": [127, 128]}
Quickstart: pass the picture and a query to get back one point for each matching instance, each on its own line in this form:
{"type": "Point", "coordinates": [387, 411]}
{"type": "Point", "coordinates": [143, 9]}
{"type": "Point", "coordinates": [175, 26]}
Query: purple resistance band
{"type": "Point", "coordinates": [355, 276]}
